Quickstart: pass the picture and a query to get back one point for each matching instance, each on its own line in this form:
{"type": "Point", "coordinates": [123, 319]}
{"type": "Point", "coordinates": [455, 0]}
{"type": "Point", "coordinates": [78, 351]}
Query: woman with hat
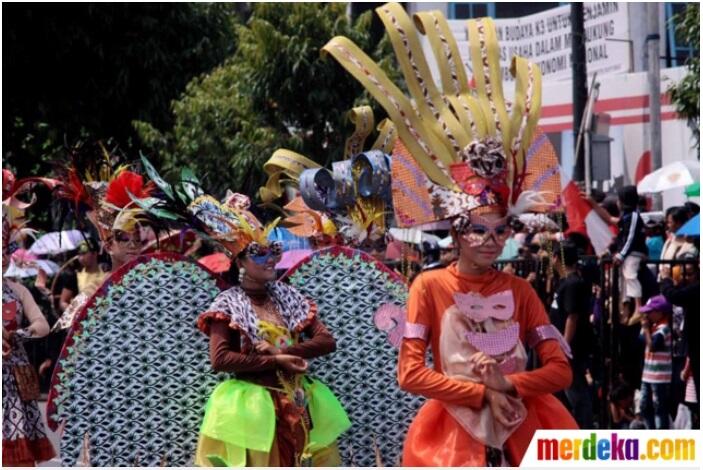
{"type": "Point", "coordinates": [264, 331]}
{"type": "Point", "coordinates": [462, 158]}
{"type": "Point", "coordinates": [108, 206]}
{"type": "Point", "coordinates": [272, 414]}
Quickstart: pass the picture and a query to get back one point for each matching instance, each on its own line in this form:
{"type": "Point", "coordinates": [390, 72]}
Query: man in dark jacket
{"type": "Point", "coordinates": [570, 312]}
{"type": "Point", "coordinates": [687, 295]}
{"type": "Point", "coordinates": [631, 245]}
{"type": "Point", "coordinates": [630, 248]}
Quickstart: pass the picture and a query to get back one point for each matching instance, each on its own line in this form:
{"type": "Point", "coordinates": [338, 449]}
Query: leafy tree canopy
{"type": "Point", "coordinates": [77, 72]}
{"type": "Point", "coordinates": [686, 94]}
{"type": "Point", "coordinates": [274, 91]}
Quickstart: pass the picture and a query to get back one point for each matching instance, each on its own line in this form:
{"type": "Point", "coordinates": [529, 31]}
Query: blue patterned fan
{"type": "Point", "coordinates": [363, 304]}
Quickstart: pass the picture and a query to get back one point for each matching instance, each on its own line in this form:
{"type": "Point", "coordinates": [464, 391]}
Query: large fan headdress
{"type": "Point", "coordinates": [459, 148]}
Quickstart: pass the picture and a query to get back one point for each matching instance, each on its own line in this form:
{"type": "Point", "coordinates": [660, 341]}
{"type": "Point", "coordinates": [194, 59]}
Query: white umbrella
{"type": "Point", "coordinates": [413, 235]}
{"type": "Point", "coordinates": [31, 269]}
{"type": "Point", "coordinates": [54, 243]}
{"type": "Point", "coordinates": [538, 222]}
{"type": "Point", "coordinates": [674, 175]}
{"type": "Point", "coordinates": [446, 242]}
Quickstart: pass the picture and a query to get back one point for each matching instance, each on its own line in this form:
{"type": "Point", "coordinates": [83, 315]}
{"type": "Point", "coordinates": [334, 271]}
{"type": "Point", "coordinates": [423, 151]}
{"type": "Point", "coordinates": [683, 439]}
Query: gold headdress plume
{"type": "Point", "coordinates": [230, 223]}
{"type": "Point", "coordinates": [354, 193]}
{"type": "Point", "coordinates": [467, 143]}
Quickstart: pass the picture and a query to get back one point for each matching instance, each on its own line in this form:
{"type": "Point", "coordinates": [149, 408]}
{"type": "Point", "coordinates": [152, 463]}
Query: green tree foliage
{"type": "Point", "coordinates": [275, 91]}
{"type": "Point", "coordinates": [77, 72]}
{"type": "Point", "coordinates": [685, 95]}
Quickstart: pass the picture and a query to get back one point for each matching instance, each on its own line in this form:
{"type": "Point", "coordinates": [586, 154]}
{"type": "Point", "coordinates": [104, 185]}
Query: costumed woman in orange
{"type": "Point", "coordinates": [462, 157]}
{"type": "Point", "coordinates": [484, 407]}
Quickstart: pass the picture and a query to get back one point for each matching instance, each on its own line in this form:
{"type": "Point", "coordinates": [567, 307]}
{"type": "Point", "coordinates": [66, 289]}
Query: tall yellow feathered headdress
{"type": "Point", "coordinates": [459, 148]}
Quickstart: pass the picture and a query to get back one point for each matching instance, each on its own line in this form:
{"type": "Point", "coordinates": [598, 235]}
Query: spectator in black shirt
{"type": "Point", "coordinates": [687, 295]}
{"type": "Point", "coordinates": [432, 256]}
{"type": "Point", "coordinates": [630, 247]}
{"type": "Point", "coordinates": [570, 312]}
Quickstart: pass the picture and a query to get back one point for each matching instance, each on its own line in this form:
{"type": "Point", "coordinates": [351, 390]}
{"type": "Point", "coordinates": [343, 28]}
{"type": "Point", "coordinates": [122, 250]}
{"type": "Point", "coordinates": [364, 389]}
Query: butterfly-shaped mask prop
{"type": "Point", "coordinates": [478, 308]}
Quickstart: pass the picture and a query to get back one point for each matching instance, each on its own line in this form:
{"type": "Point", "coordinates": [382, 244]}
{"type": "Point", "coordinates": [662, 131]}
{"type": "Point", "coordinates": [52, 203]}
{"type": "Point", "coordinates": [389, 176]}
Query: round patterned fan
{"type": "Point", "coordinates": [134, 373]}
{"type": "Point", "coordinates": [363, 304]}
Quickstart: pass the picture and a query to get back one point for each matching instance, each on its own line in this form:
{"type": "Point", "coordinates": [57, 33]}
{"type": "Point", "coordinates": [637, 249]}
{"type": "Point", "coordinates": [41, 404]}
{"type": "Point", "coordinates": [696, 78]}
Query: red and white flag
{"type": "Point", "coordinates": [582, 218]}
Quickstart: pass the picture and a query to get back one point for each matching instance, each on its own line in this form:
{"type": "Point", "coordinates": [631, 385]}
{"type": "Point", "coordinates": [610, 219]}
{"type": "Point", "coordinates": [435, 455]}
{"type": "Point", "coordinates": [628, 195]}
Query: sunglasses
{"type": "Point", "coordinates": [480, 230]}
{"type": "Point", "coordinates": [261, 254]}
{"type": "Point", "coordinates": [127, 238]}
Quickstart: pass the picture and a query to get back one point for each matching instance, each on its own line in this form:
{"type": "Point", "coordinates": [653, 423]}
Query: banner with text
{"type": "Point", "coordinates": [545, 39]}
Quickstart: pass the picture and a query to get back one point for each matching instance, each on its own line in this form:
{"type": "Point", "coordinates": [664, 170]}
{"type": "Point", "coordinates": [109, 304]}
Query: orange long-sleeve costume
{"type": "Point", "coordinates": [435, 438]}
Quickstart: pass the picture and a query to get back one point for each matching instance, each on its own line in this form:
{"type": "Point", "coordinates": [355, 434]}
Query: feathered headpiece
{"type": "Point", "coordinates": [186, 206]}
{"type": "Point", "coordinates": [307, 223]}
{"type": "Point", "coordinates": [106, 203]}
{"type": "Point", "coordinates": [459, 149]}
{"type": "Point", "coordinates": [354, 196]}
{"type": "Point", "coordinates": [14, 223]}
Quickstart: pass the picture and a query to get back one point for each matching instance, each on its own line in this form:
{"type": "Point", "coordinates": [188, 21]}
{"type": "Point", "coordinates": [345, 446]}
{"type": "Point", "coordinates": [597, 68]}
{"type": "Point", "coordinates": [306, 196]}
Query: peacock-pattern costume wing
{"type": "Point", "coordinates": [134, 373]}
{"type": "Point", "coordinates": [363, 304]}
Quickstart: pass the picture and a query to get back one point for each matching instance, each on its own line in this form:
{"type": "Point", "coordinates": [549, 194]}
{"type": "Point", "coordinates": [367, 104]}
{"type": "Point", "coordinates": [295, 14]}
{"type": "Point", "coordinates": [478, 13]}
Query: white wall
{"type": "Point", "coordinates": [414, 7]}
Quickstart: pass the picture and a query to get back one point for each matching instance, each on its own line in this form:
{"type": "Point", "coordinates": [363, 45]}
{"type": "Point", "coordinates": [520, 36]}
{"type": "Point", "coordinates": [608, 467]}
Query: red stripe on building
{"type": "Point", "coordinates": [562, 126]}
{"type": "Point", "coordinates": [612, 104]}
{"type": "Point", "coordinates": [619, 121]}
{"type": "Point", "coordinates": [616, 121]}
{"type": "Point", "coordinates": [556, 110]}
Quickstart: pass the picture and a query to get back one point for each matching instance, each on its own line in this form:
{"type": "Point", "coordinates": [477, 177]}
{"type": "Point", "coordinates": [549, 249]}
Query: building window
{"type": "Point", "coordinates": [677, 51]}
{"type": "Point", "coordinates": [517, 10]}
{"type": "Point", "coordinates": [460, 11]}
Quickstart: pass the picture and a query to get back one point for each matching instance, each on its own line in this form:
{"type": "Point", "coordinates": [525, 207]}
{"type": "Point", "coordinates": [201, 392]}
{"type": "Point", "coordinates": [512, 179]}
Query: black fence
{"type": "Point", "coordinates": [618, 352]}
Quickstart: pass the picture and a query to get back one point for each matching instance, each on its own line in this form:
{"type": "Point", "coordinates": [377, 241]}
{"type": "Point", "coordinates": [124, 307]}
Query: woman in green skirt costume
{"type": "Point", "coordinates": [263, 331]}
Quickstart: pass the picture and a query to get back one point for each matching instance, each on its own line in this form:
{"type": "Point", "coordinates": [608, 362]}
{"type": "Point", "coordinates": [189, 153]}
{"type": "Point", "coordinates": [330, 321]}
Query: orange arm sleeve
{"type": "Point", "coordinates": [413, 374]}
{"type": "Point", "coordinates": [415, 377]}
{"type": "Point", "coordinates": [555, 373]}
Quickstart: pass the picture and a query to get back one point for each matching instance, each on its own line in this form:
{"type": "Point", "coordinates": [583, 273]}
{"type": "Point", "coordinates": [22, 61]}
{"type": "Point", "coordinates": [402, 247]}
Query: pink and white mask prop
{"type": "Point", "coordinates": [479, 308]}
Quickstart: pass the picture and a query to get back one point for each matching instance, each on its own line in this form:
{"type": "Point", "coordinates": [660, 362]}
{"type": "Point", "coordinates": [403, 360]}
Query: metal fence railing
{"type": "Point", "coordinates": [618, 352]}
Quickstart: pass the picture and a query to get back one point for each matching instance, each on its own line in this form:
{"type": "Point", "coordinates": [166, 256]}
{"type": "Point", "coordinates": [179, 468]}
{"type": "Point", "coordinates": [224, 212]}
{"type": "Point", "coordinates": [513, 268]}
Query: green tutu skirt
{"type": "Point", "coordinates": [240, 420]}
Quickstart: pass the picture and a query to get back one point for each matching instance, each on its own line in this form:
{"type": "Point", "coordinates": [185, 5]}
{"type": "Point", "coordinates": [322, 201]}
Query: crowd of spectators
{"type": "Point", "coordinates": [631, 315]}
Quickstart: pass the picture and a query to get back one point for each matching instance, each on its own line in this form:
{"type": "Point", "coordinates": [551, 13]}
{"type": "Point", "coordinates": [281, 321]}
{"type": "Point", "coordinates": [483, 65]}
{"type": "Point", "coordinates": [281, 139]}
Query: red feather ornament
{"type": "Point", "coordinates": [74, 190]}
{"type": "Point", "coordinates": [127, 182]}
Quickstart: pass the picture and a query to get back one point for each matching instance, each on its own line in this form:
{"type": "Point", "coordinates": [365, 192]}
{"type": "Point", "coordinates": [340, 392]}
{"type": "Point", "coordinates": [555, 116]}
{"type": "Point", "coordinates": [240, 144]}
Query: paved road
{"type": "Point", "coordinates": [55, 462]}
